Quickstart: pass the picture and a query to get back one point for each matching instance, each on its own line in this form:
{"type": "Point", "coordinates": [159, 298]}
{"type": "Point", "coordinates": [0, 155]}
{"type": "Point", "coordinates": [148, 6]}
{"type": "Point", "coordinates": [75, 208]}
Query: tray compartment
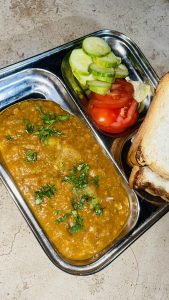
{"type": "Point", "coordinates": [139, 69]}
{"type": "Point", "coordinates": [43, 84]}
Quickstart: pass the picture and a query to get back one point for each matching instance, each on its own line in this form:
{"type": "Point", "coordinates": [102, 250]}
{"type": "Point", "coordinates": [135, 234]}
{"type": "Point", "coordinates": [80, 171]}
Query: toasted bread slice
{"type": "Point", "coordinates": [144, 178]}
{"type": "Point", "coordinates": [151, 144]}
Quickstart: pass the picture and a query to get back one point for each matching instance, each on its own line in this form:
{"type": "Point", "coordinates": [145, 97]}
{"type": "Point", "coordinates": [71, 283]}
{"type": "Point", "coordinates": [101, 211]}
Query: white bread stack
{"type": "Point", "coordinates": [149, 152]}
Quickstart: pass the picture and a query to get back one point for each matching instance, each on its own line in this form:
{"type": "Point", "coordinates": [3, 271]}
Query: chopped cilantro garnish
{"type": "Point", "coordinates": [29, 126]}
{"type": "Point", "coordinates": [98, 210]}
{"type": "Point", "coordinates": [78, 176]}
{"type": "Point", "coordinates": [45, 132]}
{"type": "Point", "coordinates": [31, 155]}
{"type": "Point", "coordinates": [63, 218]}
{"type": "Point", "coordinates": [77, 225]}
{"type": "Point", "coordinates": [61, 117]}
{"type": "Point", "coordinates": [74, 204]}
{"type": "Point", "coordinates": [94, 203]}
{"type": "Point", "coordinates": [96, 181]}
{"type": "Point", "coordinates": [79, 205]}
{"type": "Point", "coordinates": [49, 118]}
{"type": "Point", "coordinates": [46, 191]}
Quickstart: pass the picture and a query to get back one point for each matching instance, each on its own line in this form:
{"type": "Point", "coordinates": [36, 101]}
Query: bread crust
{"type": "Point", "coordinates": [141, 149]}
{"type": "Point", "coordinates": [139, 180]}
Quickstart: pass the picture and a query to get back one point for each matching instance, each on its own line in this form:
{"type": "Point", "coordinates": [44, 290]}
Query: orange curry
{"type": "Point", "coordinates": [64, 176]}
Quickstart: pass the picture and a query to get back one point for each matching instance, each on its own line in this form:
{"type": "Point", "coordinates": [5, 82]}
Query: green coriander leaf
{"type": "Point", "coordinates": [96, 181]}
{"type": "Point", "coordinates": [31, 155]}
{"type": "Point", "coordinates": [94, 203]}
{"type": "Point", "coordinates": [46, 191]}
{"type": "Point", "coordinates": [83, 168]}
{"type": "Point", "coordinates": [98, 210]}
{"type": "Point", "coordinates": [62, 117]}
{"type": "Point", "coordinates": [45, 132]}
{"type": "Point", "coordinates": [29, 126]}
{"type": "Point", "coordinates": [70, 179]}
{"type": "Point", "coordinates": [74, 213]}
{"type": "Point", "coordinates": [74, 204]}
{"type": "Point", "coordinates": [77, 225]}
{"type": "Point", "coordinates": [49, 118]}
{"type": "Point", "coordinates": [46, 117]}
{"type": "Point", "coordinates": [78, 176]}
{"type": "Point", "coordinates": [83, 199]}
{"type": "Point", "coordinates": [63, 218]}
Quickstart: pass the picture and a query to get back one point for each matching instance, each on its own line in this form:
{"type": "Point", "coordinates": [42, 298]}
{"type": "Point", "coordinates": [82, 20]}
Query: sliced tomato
{"type": "Point", "coordinates": [114, 120]}
{"type": "Point", "coordinates": [120, 95]}
{"type": "Point", "coordinates": [115, 111]}
{"type": "Point", "coordinates": [111, 100]}
{"type": "Point", "coordinates": [102, 116]}
{"type": "Point", "coordinates": [123, 86]}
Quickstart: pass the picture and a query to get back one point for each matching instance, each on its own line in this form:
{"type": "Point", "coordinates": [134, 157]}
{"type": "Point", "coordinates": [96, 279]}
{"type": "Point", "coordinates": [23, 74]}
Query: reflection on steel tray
{"type": "Point", "coordinates": [33, 78]}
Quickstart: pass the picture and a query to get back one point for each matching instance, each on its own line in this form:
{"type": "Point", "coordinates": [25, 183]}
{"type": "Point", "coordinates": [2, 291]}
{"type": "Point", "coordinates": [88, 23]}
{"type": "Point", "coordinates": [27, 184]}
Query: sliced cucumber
{"type": "Point", "coordinates": [101, 73]}
{"type": "Point", "coordinates": [99, 87]}
{"type": "Point", "coordinates": [121, 71]}
{"type": "Point", "coordinates": [80, 61]}
{"type": "Point", "coordinates": [97, 70]}
{"type": "Point", "coordinates": [83, 78]}
{"type": "Point", "coordinates": [108, 61]}
{"type": "Point", "coordinates": [104, 78]}
{"type": "Point", "coordinates": [95, 46]}
{"type": "Point", "coordinates": [69, 78]}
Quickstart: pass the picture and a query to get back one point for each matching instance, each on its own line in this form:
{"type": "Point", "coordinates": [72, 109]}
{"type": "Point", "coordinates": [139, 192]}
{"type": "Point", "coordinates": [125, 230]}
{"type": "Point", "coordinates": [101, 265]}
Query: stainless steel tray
{"type": "Point", "coordinates": [32, 78]}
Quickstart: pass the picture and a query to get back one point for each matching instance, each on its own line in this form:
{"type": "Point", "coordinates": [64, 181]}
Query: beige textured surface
{"type": "Point", "coordinates": [142, 271]}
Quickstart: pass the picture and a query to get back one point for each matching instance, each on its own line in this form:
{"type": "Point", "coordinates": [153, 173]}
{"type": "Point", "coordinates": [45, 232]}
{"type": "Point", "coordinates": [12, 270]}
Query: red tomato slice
{"type": "Point", "coordinates": [130, 114]}
{"type": "Point", "coordinates": [115, 111]}
{"type": "Point", "coordinates": [114, 120]}
{"type": "Point", "coordinates": [102, 116]}
{"type": "Point", "coordinates": [111, 100]}
{"type": "Point", "coordinates": [123, 86]}
{"type": "Point", "coordinates": [120, 95]}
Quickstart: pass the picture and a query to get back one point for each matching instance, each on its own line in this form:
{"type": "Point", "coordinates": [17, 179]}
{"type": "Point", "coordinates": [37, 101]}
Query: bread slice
{"type": "Point", "coordinates": [151, 144]}
{"type": "Point", "coordinates": [144, 178]}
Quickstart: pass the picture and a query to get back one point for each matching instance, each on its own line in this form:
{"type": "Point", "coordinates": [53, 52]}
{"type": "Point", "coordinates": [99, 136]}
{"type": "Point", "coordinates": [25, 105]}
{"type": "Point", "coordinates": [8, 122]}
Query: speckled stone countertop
{"type": "Point", "coordinates": [28, 27]}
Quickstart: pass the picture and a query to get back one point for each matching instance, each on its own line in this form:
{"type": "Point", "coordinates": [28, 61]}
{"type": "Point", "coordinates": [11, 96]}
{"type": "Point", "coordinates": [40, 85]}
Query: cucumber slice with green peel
{"type": "Point", "coordinates": [104, 78]}
{"type": "Point", "coordinates": [121, 71]}
{"type": "Point", "coordinates": [80, 61]}
{"type": "Point", "coordinates": [69, 78]}
{"type": "Point", "coordinates": [97, 70]}
{"type": "Point", "coordinates": [83, 78]}
{"type": "Point", "coordinates": [95, 46]}
{"type": "Point", "coordinates": [101, 73]}
{"type": "Point", "coordinates": [99, 87]}
{"type": "Point", "coordinates": [108, 61]}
